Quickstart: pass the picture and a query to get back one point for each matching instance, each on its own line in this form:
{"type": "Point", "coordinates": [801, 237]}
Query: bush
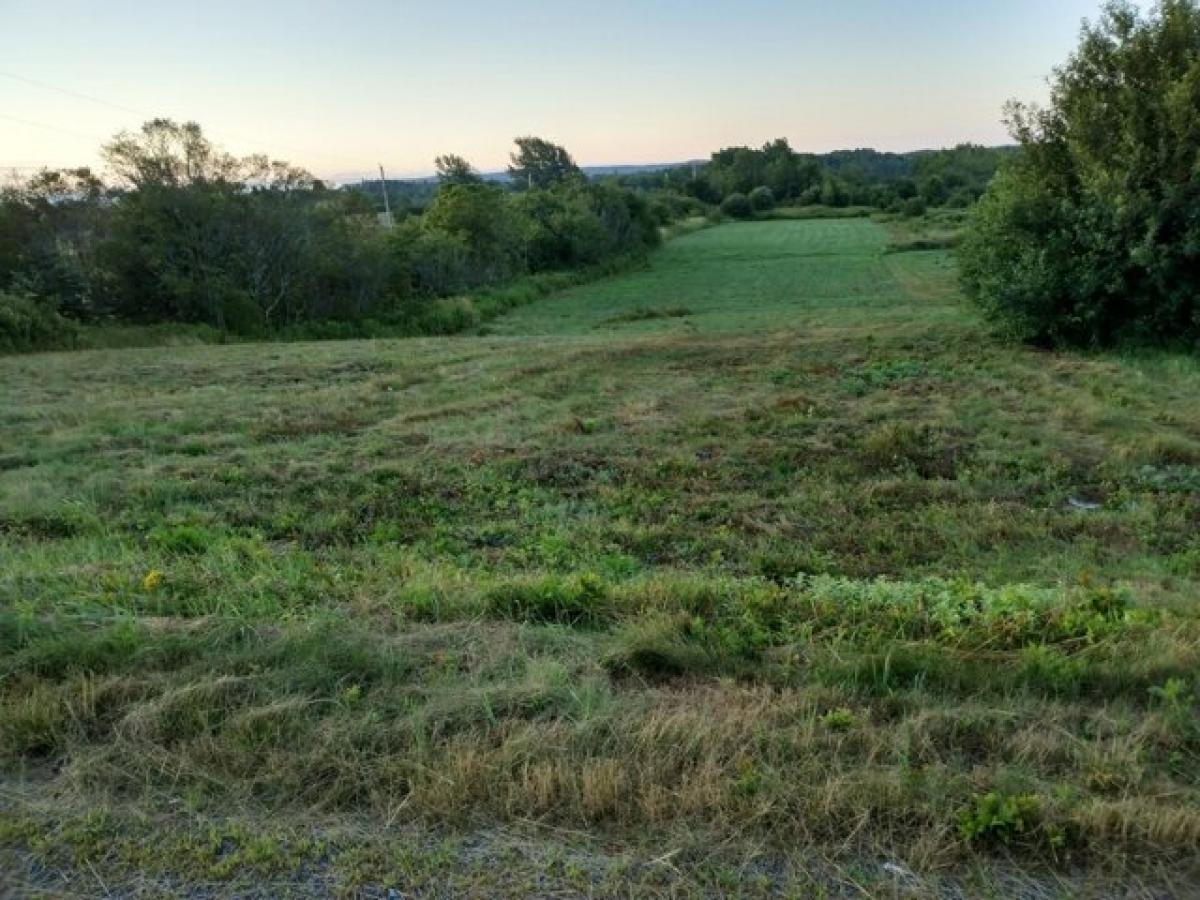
{"type": "Point", "coordinates": [961, 199]}
{"type": "Point", "coordinates": [29, 324]}
{"type": "Point", "coordinates": [1092, 235]}
{"type": "Point", "coordinates": [481, 219]}
{"type": "Point", "coordinates": [446, 315]}
{"type": "Point", "coordinates": [435, 263]}
{"type": "Point", "coordinates": [737, 206]}
{"type": "Point", "coordinates": [1000, 819]}
{"type": "Point", "coordinates": [667, 208]}
{"type": "Point", "coordinates": [762, 199]}
{"type": "Point", "coordinates": [913, 208]}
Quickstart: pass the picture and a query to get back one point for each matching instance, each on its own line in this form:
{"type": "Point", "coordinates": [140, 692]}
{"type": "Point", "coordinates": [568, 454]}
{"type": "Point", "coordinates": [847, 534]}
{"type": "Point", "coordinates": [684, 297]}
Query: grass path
{"type": "Point", "coordinates": [760, 277]}
{"type": "Point", "coordinates": [768, 548]}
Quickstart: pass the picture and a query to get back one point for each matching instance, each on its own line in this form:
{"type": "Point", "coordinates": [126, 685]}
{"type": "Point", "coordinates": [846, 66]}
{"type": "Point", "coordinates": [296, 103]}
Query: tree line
{"type": "Point", "coordinates": [183, 232]}
{"type": "Point", "coordinates": [747, 180]}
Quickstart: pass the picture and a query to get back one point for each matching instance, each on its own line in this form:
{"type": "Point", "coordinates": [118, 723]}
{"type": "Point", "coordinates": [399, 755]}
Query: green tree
{"type": "Point", "coordinates": [454, 169]}
{"type": "Point", "coordinates": [164, 153]}
{"type": "Point", "coordinates": [762, 198]}
{"type": "Point", "coordinates": [834, 192]}
{"type": "Point", "coordinates": [538, 163]}
{"type": "Point", "coordinates": [50, 226]}
{"type": "Point", "coordinates": [738, 206]}
{"type": "Point", "coordinates": [1092, 234]}
{"type": "Point", "coordinates": [178, 228]}
{"type": "Point", "coordinates": [28, 323]}
{"type": "Point", "coordinates": [481, 218]}
{"type": "Point", "coordinates": [243, 244]}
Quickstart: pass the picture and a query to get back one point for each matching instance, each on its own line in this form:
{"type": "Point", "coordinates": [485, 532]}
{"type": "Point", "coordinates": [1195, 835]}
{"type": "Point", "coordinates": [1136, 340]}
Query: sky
{"type": "Point", "coordinates": [340, 87]}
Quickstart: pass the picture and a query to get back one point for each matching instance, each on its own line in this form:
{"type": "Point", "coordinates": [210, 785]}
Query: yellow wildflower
{"type": "Point", "coordinates": [152, 580]}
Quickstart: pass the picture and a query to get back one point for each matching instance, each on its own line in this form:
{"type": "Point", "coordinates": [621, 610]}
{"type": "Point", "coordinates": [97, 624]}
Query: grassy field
{"type": "Point", "coordinates": [764, 570]}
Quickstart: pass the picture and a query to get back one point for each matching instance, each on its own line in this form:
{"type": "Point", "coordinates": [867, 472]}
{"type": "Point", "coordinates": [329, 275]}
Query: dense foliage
{"type": "Point", "coordinates": [539, 163]}
{"type": "Point", "coordinates": [737, 206]}
{"type": "Point", "coordinates": [26, 324]}
{"type": "Point", "coordinates": [189, 234]}
{"type": "Point", "coordinates": [1092, 235]}
{"type": "Point", "coordinates": [954, 177]}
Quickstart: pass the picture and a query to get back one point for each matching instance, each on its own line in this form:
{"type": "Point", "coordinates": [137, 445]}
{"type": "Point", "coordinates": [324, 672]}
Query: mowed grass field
{"type": "Point", "coordinates": [763, 278]}
{"type": "Point", "coordinates": [764, 570]}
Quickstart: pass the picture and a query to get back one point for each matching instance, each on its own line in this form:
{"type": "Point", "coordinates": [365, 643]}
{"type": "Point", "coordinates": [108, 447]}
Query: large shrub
{"type": "Point", "coordinates": [481, 218]}
{"type": "Point", "coordinates": [29, 324]}
{"type": "Point", "coordinates": [738, 206]}
{"type": "Point", "coordinates": [762, 199]}
{"type": "Point", "coordinates": [579, 224]}
{"type": "Point", "coordinates": [1091, 236]}
{"type": "Point", "coordinates": [50, 226]}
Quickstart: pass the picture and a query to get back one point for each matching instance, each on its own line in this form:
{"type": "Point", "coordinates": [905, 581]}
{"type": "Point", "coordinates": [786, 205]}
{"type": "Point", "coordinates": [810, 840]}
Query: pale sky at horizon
{"type": "Point", "coordinates": [340, 87]}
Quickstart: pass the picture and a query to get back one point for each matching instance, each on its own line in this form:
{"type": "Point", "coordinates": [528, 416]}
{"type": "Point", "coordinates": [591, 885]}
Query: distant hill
{"type": "Point", "coordinates": [416, 193]}
{"type": "Point", "coordinates": [850, 167]}
{"type": "Point", "coordinates": [607, 171]}
{"type": "Point", "coordinates": [590, 171]}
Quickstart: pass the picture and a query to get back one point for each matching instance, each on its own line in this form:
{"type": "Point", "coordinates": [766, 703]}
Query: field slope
{"type": "Point", "coordinates": [762, 570]}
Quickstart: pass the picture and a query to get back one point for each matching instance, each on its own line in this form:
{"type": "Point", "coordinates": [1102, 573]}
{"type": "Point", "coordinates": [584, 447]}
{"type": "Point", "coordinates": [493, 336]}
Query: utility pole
{"type": "Point", "coordinates": [387, 205]}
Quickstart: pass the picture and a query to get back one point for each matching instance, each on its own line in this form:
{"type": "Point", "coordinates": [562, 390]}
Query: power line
{"type": "Point", "coordinates": [44, 85]}
{"type": "Point", "coordinates": [76, 94]}
{"type": "Point", "coordinates": [33, 124]}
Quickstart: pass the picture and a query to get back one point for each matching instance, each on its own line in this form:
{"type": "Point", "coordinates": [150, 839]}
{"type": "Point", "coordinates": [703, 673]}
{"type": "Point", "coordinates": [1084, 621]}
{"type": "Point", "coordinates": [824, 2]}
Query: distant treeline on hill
{"type": "Point", "coordinates": [895, 182]}
{"type": "Point", "coordinates": [901, 183]}
{"type": "Point", "coordinates": [184, 235]}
